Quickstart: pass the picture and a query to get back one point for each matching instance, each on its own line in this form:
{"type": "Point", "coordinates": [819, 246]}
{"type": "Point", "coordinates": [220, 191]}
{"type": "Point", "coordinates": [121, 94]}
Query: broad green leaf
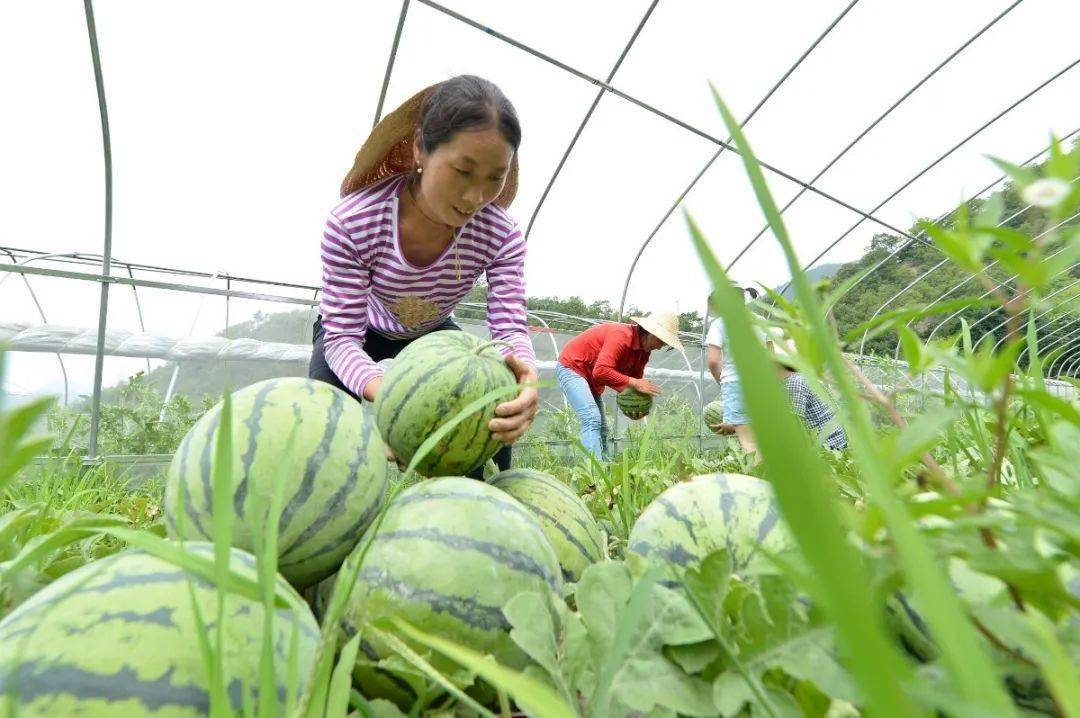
{"type": "Point", "coordinates": [1035, 635]}
{"type": "Point", "coordinates": [552, 636]}
{"type": "Point", "coordinates": [1063, 165]}
{"type": "Point", "coordinates": [1022, 176]}
{"type": "Point", "coordinates": [629, 623]}
{"type": "Point", "coordinates": [919, 436]}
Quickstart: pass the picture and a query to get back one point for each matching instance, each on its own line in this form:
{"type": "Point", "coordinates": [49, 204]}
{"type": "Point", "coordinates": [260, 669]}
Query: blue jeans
{"type": "Point", "coordinates": [734, 408]}
{"type": "Point", "coordinates": [589, 409]}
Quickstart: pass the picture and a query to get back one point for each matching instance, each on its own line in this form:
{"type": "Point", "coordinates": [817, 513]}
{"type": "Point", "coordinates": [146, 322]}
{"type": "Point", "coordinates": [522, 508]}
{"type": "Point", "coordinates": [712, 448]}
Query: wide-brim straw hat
{"type": "Point", "coordinates": [388, 150]}
{"type": "Point", "coordinates": [662, 325]}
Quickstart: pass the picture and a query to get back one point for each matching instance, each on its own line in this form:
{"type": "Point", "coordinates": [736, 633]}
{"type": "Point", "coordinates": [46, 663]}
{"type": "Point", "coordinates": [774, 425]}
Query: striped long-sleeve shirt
{"type": "Point", "coordinates": [368, 283]}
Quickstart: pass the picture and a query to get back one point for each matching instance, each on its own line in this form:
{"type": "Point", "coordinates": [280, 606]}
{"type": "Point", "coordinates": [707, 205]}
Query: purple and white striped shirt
{"type": "Point", "coordinates": [368, 283]}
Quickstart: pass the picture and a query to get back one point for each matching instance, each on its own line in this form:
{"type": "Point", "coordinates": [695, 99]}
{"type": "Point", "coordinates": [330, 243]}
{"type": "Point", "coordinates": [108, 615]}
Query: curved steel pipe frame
{"type": "Point", "coordinates": [103, 308]}
{"type": "Point", "coordinates": [987, 293]}
{"type": "Point", "coordinates": [655, 111]}
{"type": "Point", "coordinates": [880, 118]}
{"type": "Point", "coordinates": [992, 331]}
{"type": "Point", "coordinates": [943, 262]}
{"type": "Point", "coordinates": [716, 155]}
{"type": "Point", "coordinates": [588, 116]}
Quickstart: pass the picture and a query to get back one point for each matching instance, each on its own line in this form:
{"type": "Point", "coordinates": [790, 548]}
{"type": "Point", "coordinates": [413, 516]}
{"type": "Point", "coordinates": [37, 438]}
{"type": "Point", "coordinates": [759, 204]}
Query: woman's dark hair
{"type": "Point", "coordinates": [466, 102]}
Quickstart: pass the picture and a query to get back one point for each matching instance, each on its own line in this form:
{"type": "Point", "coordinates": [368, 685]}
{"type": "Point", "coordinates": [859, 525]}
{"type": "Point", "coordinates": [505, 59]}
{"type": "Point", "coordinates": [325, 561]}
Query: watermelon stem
{"type": "Point", "coordinates": [491, 343]}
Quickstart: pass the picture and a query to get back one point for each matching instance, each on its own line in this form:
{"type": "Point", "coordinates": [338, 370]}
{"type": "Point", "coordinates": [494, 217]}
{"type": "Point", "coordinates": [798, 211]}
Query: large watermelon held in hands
{"type": "Point", "coordinates": [694, 518]}
{"type": "Point", "coordinates": [430, 381]}
{"type": "Point", "coordinates": [714, 413]}
{"type": "Point", "coordinates": [335, 475]}
{"type": "Point", "coordinates": [118, 637]}
{"type": "Point", "coordinates": [563, 516]}
{"type": "Point", "coordinates": [634, 403]}
{"type": "Point", "coordinates": [447, 556]}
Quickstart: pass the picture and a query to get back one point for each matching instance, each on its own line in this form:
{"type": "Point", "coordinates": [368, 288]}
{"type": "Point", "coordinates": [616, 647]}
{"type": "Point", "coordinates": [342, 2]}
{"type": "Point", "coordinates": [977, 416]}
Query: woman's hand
{"type": "Point", "coordinates": [722, 428]}
{"type": "Point", "coordinates": [513, 417]}
{"type": "Point", "coordinates": [371, 388]}
{"type": "Point", "coordinates": [645, 386]}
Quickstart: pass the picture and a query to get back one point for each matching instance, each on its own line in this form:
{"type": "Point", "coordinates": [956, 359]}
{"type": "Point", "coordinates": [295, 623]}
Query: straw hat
{"type": "Point", "coordinates": [388, 150]}
{"type": "Point", "coordinates": [662, 325]}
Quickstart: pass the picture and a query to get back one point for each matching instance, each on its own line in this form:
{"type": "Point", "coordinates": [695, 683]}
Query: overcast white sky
{"type": "Point", "coordinates": [234, 121]}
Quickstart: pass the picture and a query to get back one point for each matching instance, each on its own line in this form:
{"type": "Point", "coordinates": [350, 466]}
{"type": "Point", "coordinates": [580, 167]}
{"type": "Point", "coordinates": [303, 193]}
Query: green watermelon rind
{"type": "Point", "coordinates": [563, 516]}
{"type": "Point", "coordinates": [117, 637]}
{"type": "Point", "coordinates": [336, 476]}
{"type": "Point", "coordinates": [694, 518]}
{"type": "Point", "coordinates": [633, 402]}
{"type": "Point", "coordinates": [431, 381]}
{"type": "Point", "coordinates": [448, 555]}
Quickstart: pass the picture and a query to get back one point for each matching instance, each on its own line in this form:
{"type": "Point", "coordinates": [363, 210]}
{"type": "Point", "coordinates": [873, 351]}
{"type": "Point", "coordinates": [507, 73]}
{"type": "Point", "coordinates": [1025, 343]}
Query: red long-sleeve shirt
{"type": "Point", "coordinates": [608, 354]}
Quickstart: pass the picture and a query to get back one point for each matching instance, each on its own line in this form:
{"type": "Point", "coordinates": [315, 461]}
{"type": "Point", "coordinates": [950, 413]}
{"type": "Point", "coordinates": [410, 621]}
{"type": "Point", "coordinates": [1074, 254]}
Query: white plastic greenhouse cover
{"type": "Point", "coordinates": [233, 123]}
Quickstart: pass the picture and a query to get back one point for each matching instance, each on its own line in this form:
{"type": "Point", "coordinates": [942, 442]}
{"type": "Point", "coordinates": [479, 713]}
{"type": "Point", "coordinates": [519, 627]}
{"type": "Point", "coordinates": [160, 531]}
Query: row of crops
{"type": "Point", "coordinates": [289, 568]}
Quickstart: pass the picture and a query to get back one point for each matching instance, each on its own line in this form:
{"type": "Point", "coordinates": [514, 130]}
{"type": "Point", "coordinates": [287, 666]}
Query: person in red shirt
{"type": "Point", "coordinates": [611, 355]}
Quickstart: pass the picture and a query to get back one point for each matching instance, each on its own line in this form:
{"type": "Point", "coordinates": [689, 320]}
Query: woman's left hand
{"type": "Point", "coordinates": [513, 417]}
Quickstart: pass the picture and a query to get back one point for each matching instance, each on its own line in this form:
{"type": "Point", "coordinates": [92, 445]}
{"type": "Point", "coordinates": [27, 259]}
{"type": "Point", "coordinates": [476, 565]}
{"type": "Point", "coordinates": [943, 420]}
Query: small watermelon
{"type": "Point", "coordinates": [431, 380]}
{"type": "Point", "coordinates": [694, 518]}
{"type": "Point", "coordinates": [714, 413]}
{"type": "Point", "coordinates": [447, 556]}
{"type": "Point", "coordinates": [118, 637]}
{"type": "Point", "coordinates": [335, 476]}
{"type": "Point", "coordinates": [634, 403]}
{"type": "Point", "coordinates": [566, 521]}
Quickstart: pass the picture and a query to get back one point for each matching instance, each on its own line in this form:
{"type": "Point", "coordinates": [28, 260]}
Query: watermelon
{"type": "Point", "coordinates": [563, 516]}
{"type": "Point", "coordinates": [694, 518]}
{"type": "Point", "coordinates": [447, 556]}
{"type": "Point", "coordinates": [335, 477]}
{"type": "Point", "coordinates": [634, 403]}
{"type": "Point", "coordinates": [430, 381]}
{"type": "Point", "coordinates": [117, 637]}
{"type": "Point", "coordinates": [714, 413]}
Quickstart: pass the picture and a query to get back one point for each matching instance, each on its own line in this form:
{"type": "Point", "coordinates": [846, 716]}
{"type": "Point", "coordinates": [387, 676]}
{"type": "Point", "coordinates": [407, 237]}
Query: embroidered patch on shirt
{"type": "Point", "coordinates": [413, 311]}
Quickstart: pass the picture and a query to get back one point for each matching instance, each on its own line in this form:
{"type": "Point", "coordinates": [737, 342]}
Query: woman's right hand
{"type": "Point", "coordinates": [645, 387]}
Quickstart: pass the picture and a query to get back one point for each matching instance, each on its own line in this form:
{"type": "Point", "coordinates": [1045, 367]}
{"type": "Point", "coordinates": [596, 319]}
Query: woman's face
{"type": "Point", "coordinates": [464, 174]}
{"type": "Point", "coordinates": [651, 343]}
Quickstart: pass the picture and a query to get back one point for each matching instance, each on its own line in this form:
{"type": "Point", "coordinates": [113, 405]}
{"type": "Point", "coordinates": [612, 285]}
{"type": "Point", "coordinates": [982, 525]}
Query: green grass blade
{"type": "Point", "coordinates": [536, 698]}
{"type": "Point", "coordinates": [469, 409]}
{"type": "Point", "coordinates": [403, 650]}
{"type": "Point", "coordinates": [222, 527]}
{"type": "Point", "coordinates": [962, 654]}
{"type": "Point", "coordinates": [337, 702]}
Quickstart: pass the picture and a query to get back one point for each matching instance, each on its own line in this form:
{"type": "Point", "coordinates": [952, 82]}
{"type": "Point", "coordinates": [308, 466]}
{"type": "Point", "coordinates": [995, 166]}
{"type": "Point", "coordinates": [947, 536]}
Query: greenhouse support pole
{"type": "Point", "coordinates": [106, 259]}
{"type": "Point", "coordinates": [701, 376]}
{"type": "Point", "coordinates": [390, 62]}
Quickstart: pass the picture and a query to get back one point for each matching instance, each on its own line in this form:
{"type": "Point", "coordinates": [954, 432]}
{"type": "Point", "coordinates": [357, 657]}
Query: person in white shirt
{"type": "Point", "coordinates": [722, 367]}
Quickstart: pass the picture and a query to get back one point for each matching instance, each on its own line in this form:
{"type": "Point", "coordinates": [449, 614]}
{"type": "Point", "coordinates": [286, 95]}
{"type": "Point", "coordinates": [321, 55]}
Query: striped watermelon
{"type": "Point", "coordinates": [335, 479]}
{"type": "Point", "coordinates": [566, 521]}
{"type": "Point", "coordinates": [430, 381]}
{"type": "Point", "coordinates": [693, 518]}
{"type": "Point", "coordinates": [117, 637]}
{"type": "Point", "coordinates": [634, 403]}
{"type": "Point", "coordinates": [447, 556]}
{"type": "Point", "coordinates": [714, 413]}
